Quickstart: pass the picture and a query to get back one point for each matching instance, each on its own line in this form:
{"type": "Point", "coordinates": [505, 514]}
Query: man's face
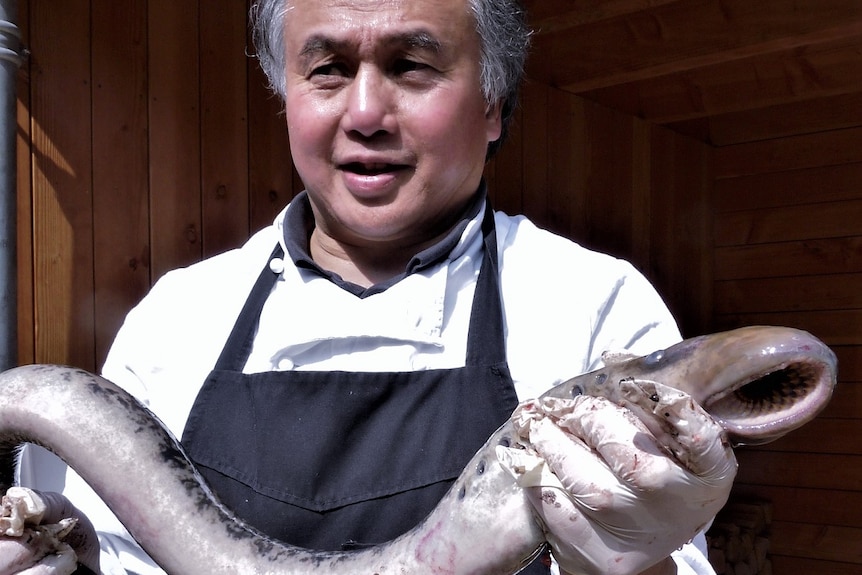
{"type": "Point", "coordinates": [388, 125]}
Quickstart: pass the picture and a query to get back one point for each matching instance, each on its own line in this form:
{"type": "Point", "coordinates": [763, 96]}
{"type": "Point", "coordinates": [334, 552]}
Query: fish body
{"type": "Point", "coordinates": [758, 383]}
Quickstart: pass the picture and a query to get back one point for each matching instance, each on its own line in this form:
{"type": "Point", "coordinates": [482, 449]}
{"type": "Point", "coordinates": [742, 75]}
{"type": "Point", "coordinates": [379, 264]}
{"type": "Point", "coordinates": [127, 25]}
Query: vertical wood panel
{"type": "Point", "coordinates": [509, 169]}
{"type": "Point", "coordinates": [62, 186]}
{"type": "Point", "coordinates": [609, 183]}
{"type": "Point", "coordinates": [224, 126]}
{"type": "Point", "coordinates": [120, 174]}
{"type": "Point", "coordinates": [566, 150]}
{"type": "Point", "coordinates": [618, 185]}
{"type": "Point", "coordinates": [663, 166]}
{"type": "Point", "coordinates": [26, 319]}
{"type": "Point", "coordinates": [680, 264]}
{"type": "Point", "coordinates": [174, 132]}
{"type": "Point", "coordinates": [693, 297]}
{"type": "Point", "coordinates": [641, 250]}
{"type": "Point", "coordinates": [271, 181]}
{"type": "Point", "coordinates": [534, 149]}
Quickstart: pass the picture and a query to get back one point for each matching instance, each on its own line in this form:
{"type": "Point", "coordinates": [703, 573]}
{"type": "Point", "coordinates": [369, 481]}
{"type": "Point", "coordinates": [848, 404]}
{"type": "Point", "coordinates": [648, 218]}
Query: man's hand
{"type": "Point", "coordinates": [618, 488]}
{"type": "Point", "coordinates": [43, 534]}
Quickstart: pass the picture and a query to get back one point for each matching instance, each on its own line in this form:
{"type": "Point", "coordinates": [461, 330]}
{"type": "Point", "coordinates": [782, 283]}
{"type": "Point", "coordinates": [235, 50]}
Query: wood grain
{"type": "Point", "coordinates": [121, 234]}
{"type": "Point", "coordinates": [60, 107]}
{"type": "Point", "coordinates": [174, 135]}
{"type": "Point", "coordinates": [224, 126]}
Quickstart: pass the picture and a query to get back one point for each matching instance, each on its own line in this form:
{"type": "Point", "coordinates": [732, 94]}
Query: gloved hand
{"type": "Point", "coordinates": [619, 487]}
{"type": "Point", "coordinates": [44, 534]}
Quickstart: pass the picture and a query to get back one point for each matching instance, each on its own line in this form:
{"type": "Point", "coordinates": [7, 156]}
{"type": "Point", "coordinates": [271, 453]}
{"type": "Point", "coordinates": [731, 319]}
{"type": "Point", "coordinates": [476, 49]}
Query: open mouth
{"type": "Point", "coordinates": [371, 169]}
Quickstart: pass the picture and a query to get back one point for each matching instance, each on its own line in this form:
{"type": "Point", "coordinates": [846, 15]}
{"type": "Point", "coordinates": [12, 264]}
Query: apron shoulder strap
{"type": "Point", "coordinates": [486, 342]}
{"type": "Point", "coordinates": [238, 346]}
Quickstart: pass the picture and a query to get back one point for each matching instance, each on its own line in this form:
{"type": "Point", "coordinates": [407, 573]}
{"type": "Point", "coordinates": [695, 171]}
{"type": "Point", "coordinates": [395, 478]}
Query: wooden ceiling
{"type": "Point", "coordinates": [722, 71]}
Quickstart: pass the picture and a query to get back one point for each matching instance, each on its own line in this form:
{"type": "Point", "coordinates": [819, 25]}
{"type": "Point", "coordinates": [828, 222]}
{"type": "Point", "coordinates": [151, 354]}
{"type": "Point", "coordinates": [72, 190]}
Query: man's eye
{"type": "Point", "coordinates": [332, 69]}
{"type": "Point", "coordinates": [404, 66]}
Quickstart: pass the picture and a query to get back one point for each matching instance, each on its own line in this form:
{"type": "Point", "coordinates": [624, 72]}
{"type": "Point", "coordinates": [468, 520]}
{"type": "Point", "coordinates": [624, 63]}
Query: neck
{"type": "Point", "coordinates": [366, 262]}
{"type": "Point", "coordinates": [363, 265]}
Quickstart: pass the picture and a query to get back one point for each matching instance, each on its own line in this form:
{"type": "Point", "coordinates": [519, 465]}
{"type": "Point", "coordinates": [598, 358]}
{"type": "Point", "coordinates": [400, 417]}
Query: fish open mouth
{"type": "Point", "coordinates": [762, 405]}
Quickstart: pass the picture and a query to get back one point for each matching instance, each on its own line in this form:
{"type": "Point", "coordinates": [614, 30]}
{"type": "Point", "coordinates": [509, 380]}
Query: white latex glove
{"type": "Point", "coordinates": [43, 534]}
{"type": "Point", "coordinates": [619, 489]}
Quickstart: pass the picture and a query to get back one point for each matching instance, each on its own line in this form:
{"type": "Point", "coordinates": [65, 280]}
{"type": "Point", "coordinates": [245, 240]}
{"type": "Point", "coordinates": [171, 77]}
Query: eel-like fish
{"type": "Point", "coordinates": [758, 383]}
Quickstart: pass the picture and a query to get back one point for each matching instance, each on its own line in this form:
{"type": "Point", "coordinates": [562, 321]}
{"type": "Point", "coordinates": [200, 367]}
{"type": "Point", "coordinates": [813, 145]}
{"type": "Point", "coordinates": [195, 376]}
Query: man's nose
{"type": "Point", "coordinates": [370, 104]}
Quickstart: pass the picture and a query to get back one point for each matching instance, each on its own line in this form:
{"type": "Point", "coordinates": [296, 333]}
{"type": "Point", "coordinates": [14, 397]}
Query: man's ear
{"type": "Point", "coordinates": [494, 121]}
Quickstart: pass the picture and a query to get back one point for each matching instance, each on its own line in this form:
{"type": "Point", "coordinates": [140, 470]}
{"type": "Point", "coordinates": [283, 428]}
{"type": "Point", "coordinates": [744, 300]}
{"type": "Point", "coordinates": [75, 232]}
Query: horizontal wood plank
{"type": "Point", "coordinates": [799, 258]}
{"type": "Point", "coordinates": [792, 153]}
{"type": "Point", "coordinates": [783, 224]}
{"type": "Point", "coordinates": [744, 86]}
{"type": "Point", "coordinates": [800, 293]}
{"type": "Point", "coordinates": [810, 470]}
{"type": "Point", "coordinates": [849, 363]}
{"type": "Point", "coordinates": [790, 565]}
{"type": "Point", "coordinates": [833, 327]}
{"type": "Point", "coordinates": [548, 16]}
{"type": "Point", "coordinates": [801, 505]}
{"type": "Point", "coordinates": [813, 541]}
{"type": "Point", "coordinates": [823, 435]}
{"type": "Point", "coordinates": [819, 114]}
{"type": "Point", "coordinates": [846, 401]}
{"type": "Point", "coordinates": [790, 188]}
{"type": "Point", "coordinates": [684, 35]}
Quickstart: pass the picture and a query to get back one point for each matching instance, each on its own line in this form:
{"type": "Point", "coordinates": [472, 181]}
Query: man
{"type": "Point", "coordinates": [332, 377]}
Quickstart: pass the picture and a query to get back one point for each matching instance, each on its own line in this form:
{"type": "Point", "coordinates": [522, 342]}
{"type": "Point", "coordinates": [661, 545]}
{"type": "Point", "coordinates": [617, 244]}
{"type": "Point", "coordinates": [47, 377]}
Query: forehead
{"type": "Point", "coordinates": [362, 21]}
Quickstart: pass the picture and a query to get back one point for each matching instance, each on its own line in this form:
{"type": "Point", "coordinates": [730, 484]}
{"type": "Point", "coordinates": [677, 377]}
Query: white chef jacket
{"type": "Point", "coordinates": [563, 305]}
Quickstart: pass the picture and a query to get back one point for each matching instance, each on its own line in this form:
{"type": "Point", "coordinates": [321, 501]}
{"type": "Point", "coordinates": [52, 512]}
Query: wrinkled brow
{"type": "Point", "coordinates": [321, 44]}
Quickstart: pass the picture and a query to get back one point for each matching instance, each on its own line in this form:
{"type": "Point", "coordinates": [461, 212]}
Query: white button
{"type": "Point", "coordinates": [276, 265]}
{"type": "Point", "coordinates": [285, 364]}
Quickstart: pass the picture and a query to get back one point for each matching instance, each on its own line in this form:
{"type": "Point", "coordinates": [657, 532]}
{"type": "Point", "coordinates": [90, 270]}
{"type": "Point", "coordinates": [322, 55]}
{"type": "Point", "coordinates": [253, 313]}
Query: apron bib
{"type": "Point", "coordinates": [336, 460]}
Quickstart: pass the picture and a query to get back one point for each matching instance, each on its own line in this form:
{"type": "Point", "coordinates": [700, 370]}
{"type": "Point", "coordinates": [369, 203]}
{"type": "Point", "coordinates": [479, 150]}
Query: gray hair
{"type": "Point", "coordinates": [501, 24]}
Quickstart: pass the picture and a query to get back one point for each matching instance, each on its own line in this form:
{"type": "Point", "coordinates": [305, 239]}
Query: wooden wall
{"type": "Point", "coordinates": [147, 141]}
{"type": "Point", "coordinates": [788, 251]}
{"type": "Point", "coordinates": [617, 184]}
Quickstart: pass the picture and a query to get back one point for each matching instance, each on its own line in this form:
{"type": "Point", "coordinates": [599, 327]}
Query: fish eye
{"type": "Point", "coordinates": [655, 357]}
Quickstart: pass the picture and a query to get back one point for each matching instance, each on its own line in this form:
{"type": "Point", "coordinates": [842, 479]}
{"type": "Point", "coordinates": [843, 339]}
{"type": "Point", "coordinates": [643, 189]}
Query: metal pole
{"type": "Point", "coordinates": [10, 61]}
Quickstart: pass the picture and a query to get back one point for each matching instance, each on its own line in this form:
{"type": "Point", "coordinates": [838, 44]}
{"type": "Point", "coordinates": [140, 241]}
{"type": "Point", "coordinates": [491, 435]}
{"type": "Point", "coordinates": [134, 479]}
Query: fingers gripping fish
{"type": "Point", "coordinates": [758, 383]}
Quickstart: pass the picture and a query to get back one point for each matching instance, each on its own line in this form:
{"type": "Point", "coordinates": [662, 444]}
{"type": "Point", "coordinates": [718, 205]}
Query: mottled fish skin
{"type": "Point", "coordinates": [758, 383]}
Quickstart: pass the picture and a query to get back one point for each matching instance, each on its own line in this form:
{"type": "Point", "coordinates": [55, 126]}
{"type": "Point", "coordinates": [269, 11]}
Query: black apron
{"type": "Point", "coordinates": [338, 460]}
